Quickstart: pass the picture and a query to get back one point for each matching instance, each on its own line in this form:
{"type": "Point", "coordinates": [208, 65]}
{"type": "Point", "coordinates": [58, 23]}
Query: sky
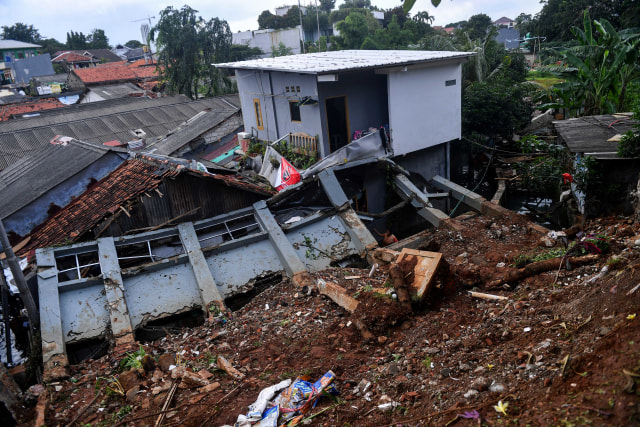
{"type": "Point", "coordinates": [121, 19]}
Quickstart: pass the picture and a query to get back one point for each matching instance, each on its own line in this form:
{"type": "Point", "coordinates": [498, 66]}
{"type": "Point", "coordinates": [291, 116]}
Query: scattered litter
{"type": "Point", "coordinates": [374, 268]}
{"type": "Point", "coordinates": [487, 296]}
{"type": "Point", "coordinates": [527, 329]}
{"type": "Point", "coordinates": [635, 288]}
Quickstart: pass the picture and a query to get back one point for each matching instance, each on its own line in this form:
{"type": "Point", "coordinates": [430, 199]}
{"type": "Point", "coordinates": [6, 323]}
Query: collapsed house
{"type": "Point", "coordinates": [107, 290]}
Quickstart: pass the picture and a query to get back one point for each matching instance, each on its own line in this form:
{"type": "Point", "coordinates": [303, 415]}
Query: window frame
{"type": "Point", "coordinates": [257, 109]}
{"type": "Point", "coordinates": [294, 105]}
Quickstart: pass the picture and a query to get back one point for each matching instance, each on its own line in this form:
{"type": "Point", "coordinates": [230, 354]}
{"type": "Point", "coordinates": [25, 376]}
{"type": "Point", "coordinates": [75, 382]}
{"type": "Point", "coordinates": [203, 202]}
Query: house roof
{"type": "Point", "coordinates": [116, 91]}
{"type": "Point", "coordinates": [503, 20]}
{"type": "Point", "coordinates": [345, 60]}
{"type": "Point", "coordinates": [115, 73]}
{"type": "Point", "coordinates": [70, 57]}
{"type": "Point", "coordinates": [107, 121]}
{"type": "Point", "coordinates": [28, 68]}
{"type": "Point", "coordinates": [15, 44]}
{"type": "Point", "coordinates": [8, 110]}
{"type": "Point", "coordinates": [590, 135]}
{"type": "Point", "coordinates": [33, 175]}
{"type": "Point", "coordinates": [195, 127]}
{"type": "Point", "coordinates": [130, 180]}
{"type": "Point", "coordinates": [92, 54]}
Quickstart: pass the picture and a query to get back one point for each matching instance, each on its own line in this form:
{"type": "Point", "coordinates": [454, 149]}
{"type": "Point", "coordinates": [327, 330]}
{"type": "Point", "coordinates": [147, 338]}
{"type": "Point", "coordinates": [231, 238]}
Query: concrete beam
{"type": "Point", "coordinates": [458, 192]}
{"type": "Point", "coordinates": [114, 291]}
{"type": "Point", "coordinates": [360, 235]}
{"type": "Point", "coordinates": [408, 191]}
{"type": "Point", "coordinates": [53, 346]}
{"type": "Point", "coordinates": [286, 252]}
{"type": "Point", "coordinates": [204, 279]}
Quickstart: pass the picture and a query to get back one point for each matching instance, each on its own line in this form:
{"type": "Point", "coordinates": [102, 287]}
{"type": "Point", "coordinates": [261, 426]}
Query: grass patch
{"type": "Point", "coordinates": [545, 79]}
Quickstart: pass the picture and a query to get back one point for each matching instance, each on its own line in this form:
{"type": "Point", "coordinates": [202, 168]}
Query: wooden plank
{"type": "Point", "coordinates": [424, 271]}
{"type": "Point", "coordinates": [338, 294]}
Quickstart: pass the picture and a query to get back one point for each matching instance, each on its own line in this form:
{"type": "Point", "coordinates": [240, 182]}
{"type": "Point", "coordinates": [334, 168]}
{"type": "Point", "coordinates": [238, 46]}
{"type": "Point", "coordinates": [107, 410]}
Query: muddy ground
{"type": "Point", "coordinates": [562, 350]}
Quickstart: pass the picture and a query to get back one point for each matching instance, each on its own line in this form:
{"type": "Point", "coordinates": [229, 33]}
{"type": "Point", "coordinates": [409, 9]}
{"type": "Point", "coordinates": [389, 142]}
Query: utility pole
{"type": "Point", "coordinates": [25, 293]}
{"type": "Point", "coordinates": [301, 27]}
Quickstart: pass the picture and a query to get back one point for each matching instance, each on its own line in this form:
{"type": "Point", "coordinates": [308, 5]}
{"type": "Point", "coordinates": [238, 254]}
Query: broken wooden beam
{"type": "Point", "coordinates": [424, 270]}
{"type": "Point", "coordinates": [338, 295]}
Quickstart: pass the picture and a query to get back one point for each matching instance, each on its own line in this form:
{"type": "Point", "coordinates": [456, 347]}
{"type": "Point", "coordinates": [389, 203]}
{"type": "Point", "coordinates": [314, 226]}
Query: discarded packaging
{"type": "Point", "coordinates": [257, 408]}
{"type": "Point", "coordinates": [301, 395]}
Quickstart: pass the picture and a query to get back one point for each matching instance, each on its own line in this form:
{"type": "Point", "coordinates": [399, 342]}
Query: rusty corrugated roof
{"type": "Point", "coordinates": [130, 180]}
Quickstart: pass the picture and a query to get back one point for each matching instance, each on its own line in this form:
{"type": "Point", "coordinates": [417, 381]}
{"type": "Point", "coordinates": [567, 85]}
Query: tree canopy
{"type": "Point", "coordinates": [133, 44]}
{"type": "Point", "coordinates": [98, 40]}
{"type": "Point", "coordinates": [76, 41]}
{"type": "Point", "coordinates": [188, 46]}
{"type": "Point", "coordinates": [21, 32]}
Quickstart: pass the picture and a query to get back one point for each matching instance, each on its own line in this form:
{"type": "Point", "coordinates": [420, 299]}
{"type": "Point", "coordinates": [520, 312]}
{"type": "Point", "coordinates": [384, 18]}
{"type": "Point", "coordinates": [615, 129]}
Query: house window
{"type": "Point", "coordinates": [450, 82]}
{"type": "Point", "coordinates": [20, 55]}
{"type": "Point", "coordinates": [258, 111]}
{"type": "Point", "coordinates": [294, 109]}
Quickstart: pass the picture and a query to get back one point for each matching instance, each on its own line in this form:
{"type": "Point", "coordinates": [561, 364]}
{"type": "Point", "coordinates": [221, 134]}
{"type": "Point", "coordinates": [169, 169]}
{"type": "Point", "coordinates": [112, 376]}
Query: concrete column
{"type": "Point", "coordinates": [114, 291]}
{"type": "Point", "coordinates": [204, 279]}
{"type": "Point", "coordinates": [53, 347]}
{"type": "Point", "coordinates": [287, 254]}
{"type": "Point", "coordinates": [419, 200]}
{"type": "Point", "coordinates": [360, 235]}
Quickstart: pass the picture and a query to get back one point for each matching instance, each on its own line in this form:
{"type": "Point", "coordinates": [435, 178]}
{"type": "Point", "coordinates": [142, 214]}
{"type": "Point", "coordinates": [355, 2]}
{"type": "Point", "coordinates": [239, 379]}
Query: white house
{"type": "Point", "coordinates": [331, 95]}
{"type": "Point", "coordinates": [269, 39]}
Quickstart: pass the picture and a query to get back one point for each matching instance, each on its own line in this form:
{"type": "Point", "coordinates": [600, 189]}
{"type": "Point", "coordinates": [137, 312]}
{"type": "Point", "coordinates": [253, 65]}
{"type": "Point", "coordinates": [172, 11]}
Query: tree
{"type": "Point", "coordinates": [423, 17]}
{"type": "Point", "coordinates": [353, 31]}
{"type": "Point", "coordinates": [133, 44]}
{"type": "Point", "coordinates": [327, 5]}
{"type": "Point", "coordinates": [21, 32]}
{"type": "Point", "coordinates": [51, 46]}
{"type": "Point", "coordinates": [355, 4]}
{"type": "Point", "coordinates": [76, 41]}
{"type": "Point", "coordinates": [408, 4]}
{"type": "Point", "coordinates": [188, 46]}
{"type": "Point", "coordinates": [281, 50]}
{"type": "Point", "coordinates": [476, 26]}
{"type": "Point", "coordinates": [98, 39]}
{"type": "Point", "coordinates": [242, 52]}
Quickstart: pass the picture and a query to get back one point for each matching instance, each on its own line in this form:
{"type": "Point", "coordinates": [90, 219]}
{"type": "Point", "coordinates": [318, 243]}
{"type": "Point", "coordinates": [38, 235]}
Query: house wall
{"type": "Point", "coordinates": [267, 39]}
{"type": "Point", "coordinates": [367, 102]}
{"type": "Point", "coordinates": [423, 111]}
{"type": "Point", "coordinates": [428, 162]}
{"type": "Point", "coordinates": [256, 85]}
{"type": "Point", "coordinates": [35, 213]}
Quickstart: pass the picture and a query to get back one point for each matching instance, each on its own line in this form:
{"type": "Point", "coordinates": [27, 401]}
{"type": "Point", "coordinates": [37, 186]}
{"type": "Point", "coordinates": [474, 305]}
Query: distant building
{"type": "Point", "coordinates": [13, 51]}
{"type": "Point", "coordinates": [269, 39]}
{"type": "Point", "coordinates": [504, 22]}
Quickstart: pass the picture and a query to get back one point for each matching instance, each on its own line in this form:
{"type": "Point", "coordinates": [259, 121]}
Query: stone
{"type": "Point", "coordinates": [481, 384]}
{"type": "Point", "coordinates": [432, 350]}
{"type": "Point", "coordinates": [128, 380]}
{"type": "Point", "coordinates": [131, 394]}
{"type": "Point", "coordinates": [209, 388]}
{"type": "Point", "coordinates": [471, 394]}
{"type": "Point", "coordinates": [604, 331]}
{"type": "Point", "coordinates": [166, 360]}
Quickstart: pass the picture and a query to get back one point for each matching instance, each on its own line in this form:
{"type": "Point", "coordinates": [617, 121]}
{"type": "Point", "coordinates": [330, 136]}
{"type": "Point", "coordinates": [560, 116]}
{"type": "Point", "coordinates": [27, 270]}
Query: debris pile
{"type": "Point", "coordinates": [559, 345]}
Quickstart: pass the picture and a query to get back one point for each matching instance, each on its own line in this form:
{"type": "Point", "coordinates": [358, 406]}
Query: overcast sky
{"type": "Point", "coordinates": [121, 19]}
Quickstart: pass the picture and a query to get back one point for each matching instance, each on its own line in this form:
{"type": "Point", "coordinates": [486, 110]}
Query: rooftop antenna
{"type": "Point", "coordinates": [144, 32]}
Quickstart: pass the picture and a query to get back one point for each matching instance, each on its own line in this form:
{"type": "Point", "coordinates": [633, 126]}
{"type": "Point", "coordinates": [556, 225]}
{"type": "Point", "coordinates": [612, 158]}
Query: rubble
{"type": "Point", "coordinates": [552, 349]}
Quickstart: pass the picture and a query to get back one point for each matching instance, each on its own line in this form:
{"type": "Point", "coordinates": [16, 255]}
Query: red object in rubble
{"type": "Point", "coordinates": [567, 177]}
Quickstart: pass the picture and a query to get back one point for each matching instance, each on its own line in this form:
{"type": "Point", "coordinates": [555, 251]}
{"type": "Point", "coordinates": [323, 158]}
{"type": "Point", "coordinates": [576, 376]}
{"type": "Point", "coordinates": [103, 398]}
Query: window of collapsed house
{"type": "Point", "coordinates": [258, 110]}
{"type": "Point", "coordinates": [135, 253]}
{"type": "Point", "coordinates": [294, 110]}
{"type": "Point", "coordinates": [215, 233]}
{"type": "Point", "coordinates": [84, 264]}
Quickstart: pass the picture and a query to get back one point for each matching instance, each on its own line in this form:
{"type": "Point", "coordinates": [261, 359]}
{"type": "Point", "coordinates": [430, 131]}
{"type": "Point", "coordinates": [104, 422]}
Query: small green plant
{"type": "Point", "coordinates": [133, 360]}
{"type": "Point", "coordinates": [123, 412]}
{"type": "Point", "coordinates": [284, 322]}
{"type": "Point", "coordinates": [111, 385]}
{"type": "Point", "coordinates": [427, 362]}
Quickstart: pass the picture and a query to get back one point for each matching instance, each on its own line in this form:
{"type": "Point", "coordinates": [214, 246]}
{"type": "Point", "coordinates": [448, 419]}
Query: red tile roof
{"type": "Point", "coordinates": [115, 73]}
{"type": "Point", "coordinates": [122, 186]}
{"type": "Point", "coordinates": [8, 110]}
{"type": "Point", "coordinates": [71, 57]}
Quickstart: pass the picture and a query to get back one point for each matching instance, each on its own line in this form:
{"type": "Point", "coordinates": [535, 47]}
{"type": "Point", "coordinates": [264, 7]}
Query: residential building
{"type": "Point", "coordinates": [75, 59]}
{"type": "Point", "coordinates": [504, 22]}
{"type": "Point", "coordinates": [12, 51]}
{"type": "Point", "coordinates": [268, 40]}
{"type": "Point", "coordinates": [415, 96]}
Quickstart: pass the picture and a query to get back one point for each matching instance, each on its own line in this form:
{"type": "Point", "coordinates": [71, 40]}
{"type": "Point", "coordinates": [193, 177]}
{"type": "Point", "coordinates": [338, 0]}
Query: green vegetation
{"type": "Point", "coordinates": [544, 79]}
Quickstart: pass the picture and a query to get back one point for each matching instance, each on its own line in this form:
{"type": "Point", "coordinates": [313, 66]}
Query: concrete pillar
{"type": "Point", "coordinates": [406, 190]}
{"type": "Point", "coordinates": [53, 347]}
{"type": "Point", "coordinates": [204, 279]}
{"type": "Point", "coordinates": [114, 291]}
{"type": "Point", "coordinates": [287, 254]}
{"type": "Point", "coordinates": [360, 235]}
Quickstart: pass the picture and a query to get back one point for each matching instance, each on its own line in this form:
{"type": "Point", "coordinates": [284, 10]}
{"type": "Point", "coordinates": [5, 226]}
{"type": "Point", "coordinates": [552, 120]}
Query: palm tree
{"type": "Point", "coordinates": [423, 17]}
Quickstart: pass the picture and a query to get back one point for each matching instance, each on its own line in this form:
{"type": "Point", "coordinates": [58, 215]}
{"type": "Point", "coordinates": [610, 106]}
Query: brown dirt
{"type": "Point", "coordinates": [563, 350]}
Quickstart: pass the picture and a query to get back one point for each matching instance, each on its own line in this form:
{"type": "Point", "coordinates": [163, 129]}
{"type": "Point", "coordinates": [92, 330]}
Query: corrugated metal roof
{"type": "Point", "coordinates": [95, 125]}
{"type": "Point", "coordinates": [31, 176]}
{"type": "Point", "coordinates": [15, 44]}
{"type": "Point", "coordinates": [590, 134]}
{"type": "Point", "coordinates": [345, 60]}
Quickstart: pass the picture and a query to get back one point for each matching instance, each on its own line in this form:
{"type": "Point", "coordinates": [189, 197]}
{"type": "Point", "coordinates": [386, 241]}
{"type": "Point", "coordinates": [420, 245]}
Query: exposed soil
{"type": "Point", "coordinates": [563, 350]}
